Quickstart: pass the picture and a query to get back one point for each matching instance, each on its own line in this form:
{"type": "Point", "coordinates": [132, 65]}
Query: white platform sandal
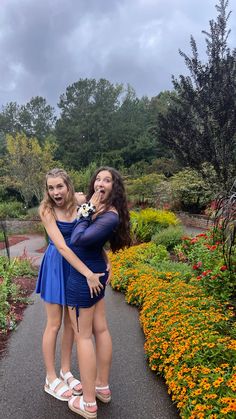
{"type": "Point", "coordinates": [81, 409]}
{"type": "Point", "coordinates": [65, 377]}
{"type": "Point", "coordinates": [103, 394]}
{"type": "Point", "coordinates": [51, 388]}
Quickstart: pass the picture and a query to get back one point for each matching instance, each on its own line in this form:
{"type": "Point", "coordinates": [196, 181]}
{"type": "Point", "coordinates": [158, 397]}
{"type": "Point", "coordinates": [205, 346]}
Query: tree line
{"type": "Point", "coordinates": [101, 123]}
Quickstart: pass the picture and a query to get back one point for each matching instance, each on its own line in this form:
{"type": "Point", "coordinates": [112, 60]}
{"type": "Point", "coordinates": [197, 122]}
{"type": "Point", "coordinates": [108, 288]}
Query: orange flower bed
{"type": "Point", "coordinates": [184, 331]}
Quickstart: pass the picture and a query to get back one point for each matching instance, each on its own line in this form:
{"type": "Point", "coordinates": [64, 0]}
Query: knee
{"type": "Point", "coordinates": [53, 327]}
{"type": "Point", "coordinates": [100, 329]}
{"type": "Point", "coordinates": [85, 334]}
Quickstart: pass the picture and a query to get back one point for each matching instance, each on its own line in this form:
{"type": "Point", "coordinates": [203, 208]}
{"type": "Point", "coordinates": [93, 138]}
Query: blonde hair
{"type": "Point", "coordinates": [47, 204]}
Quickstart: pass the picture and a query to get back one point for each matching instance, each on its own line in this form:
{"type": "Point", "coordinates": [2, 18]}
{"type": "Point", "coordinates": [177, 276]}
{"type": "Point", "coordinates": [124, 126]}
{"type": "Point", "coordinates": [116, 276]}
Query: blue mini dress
{"type": "Point", "coordinates": [87, 241]}
{"type": "Point", "coordinates": [54, 269]}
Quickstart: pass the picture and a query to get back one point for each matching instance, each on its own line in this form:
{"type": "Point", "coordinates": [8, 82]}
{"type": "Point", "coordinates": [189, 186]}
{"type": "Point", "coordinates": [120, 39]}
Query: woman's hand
{"type": "Point", "coordinates": [80, 198]}
{"type": "Point", "coordinates": [94, 284]}
{"type": "Point", "coordinates": [96, 201]}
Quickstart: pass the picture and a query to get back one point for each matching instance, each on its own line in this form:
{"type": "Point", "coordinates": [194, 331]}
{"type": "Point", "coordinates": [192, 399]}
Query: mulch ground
{"type": "Point", "coordinates": [13, 240]}
{"type": "Point", "coordinates": [42, 249]}
{"type": "Point", "coordinates": [26, 287]}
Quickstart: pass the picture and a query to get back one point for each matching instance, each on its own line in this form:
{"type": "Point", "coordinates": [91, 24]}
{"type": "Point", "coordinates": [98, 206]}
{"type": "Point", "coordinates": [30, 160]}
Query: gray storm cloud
{"type": "Point", "coordinates": [46, 46]}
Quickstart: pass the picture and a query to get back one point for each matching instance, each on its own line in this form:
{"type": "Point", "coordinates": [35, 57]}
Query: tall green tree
{"type": "Point", "coordinates": [84, 128]}
{"type": "Point", "coordinates": [132, 139]}
{"type": "Point", "coordinates": [10, 119]}
{"type": "Point", "coordinates": [200, 123]}
{"type": "Point", "coordinates": [35, 119]}
{"type": "Point", "coordinates": [26, 164]}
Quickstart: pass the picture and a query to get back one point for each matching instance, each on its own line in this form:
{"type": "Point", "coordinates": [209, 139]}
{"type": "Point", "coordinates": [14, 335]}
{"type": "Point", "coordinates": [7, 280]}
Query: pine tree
{"type": "Point", "coordinates": [200, 125]}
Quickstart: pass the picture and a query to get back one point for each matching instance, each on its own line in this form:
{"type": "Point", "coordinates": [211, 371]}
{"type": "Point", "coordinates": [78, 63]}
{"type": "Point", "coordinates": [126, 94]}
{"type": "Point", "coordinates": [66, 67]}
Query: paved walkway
{"type": "Point", "coordinates": [137, 392]}
{"type": "Point", "coordinates": [28, 247]}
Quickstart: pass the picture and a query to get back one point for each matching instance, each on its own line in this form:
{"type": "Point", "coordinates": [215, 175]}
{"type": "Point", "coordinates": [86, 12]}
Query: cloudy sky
{"type": "Point", "coordinates": [47, 45]}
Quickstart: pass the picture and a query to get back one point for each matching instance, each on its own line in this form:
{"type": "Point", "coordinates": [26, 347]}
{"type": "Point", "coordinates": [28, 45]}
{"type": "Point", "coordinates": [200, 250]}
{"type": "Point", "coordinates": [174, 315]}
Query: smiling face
{"type": "Point", "coordinates": [104, 184]}
{"type": "Point", "coordinates": [57, 190]}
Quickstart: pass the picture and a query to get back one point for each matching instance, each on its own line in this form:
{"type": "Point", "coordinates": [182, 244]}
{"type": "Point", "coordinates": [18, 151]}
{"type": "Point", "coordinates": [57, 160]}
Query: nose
{"type": "Point", "coordinates": [100, 183]}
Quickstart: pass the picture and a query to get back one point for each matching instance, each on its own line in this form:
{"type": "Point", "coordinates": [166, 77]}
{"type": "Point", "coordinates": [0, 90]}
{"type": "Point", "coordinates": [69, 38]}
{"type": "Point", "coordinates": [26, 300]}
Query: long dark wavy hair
{"type": "Point", "coordinates": [118, 200]}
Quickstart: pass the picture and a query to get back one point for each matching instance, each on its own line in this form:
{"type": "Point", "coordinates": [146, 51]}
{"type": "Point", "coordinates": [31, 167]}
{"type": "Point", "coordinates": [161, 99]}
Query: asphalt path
{"type": "Point", "coordinates": [138, 393]}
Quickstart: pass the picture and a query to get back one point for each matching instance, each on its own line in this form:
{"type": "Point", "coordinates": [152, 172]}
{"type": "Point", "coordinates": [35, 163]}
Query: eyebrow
{"type": "Point", "coordinates": [106, 177]}
{"type": "Point", "coordinates": [58, 184]}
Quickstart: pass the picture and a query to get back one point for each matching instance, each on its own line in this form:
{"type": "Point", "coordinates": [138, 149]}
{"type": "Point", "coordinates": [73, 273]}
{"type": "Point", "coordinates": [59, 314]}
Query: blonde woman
{"type": "Point", "coordinates": [58, 211]}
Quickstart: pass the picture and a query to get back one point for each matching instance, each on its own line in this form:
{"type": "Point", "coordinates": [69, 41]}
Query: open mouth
{"type": "Point", "coordinates": [102, 191]}
{"type": "Point", "coordinates": [58, 199]}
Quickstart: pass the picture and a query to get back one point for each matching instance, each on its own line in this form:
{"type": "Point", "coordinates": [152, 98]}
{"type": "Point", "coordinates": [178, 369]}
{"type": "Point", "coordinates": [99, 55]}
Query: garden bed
{"type": "Point", "coordinates": [190, 336]}
{"type": "Point", "coordinates": [18, 305]}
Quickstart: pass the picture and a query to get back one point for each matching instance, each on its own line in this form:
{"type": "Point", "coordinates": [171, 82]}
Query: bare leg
{"type": "Point", "coordinates": [86, 354]}
{"type": "Point", "coordinates": [54, 317]}
{"type": "Point", "coordinates": [66, 348]}
{"type": "Point", "coordinates": [66, 342]}
{"type": "Point", "coordinates": [103, 344]}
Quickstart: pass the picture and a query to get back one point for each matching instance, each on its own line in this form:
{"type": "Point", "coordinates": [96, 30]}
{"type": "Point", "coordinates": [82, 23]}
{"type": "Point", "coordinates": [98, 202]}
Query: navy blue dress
{"type": "Point", "coordinates": [54, 270]}
{"type": "Point", "coordinates": [87, 241]}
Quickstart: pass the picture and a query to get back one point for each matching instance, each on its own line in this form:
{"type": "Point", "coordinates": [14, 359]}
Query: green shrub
{"type": "Point", "coordinates": [32, 214]}
{"type": "Point", "coordinates": [8, 289]}
{"type": "Point", "coordinates": [169, 237]}
{"type": "Point", "coordinates": [208, 265]}
{"type": "Point", "coordinates": [191, 191]}
{"type": "Point", "coordinates": [144, 188]}
{"type": "Point", "coordinates": [161, 254]}
{"type": "Point", "coordinates": [183, 270]}
{"type": "Point", "coordinates": [147, 222]}
{"type": "Point", "coordinates": [13, 209]}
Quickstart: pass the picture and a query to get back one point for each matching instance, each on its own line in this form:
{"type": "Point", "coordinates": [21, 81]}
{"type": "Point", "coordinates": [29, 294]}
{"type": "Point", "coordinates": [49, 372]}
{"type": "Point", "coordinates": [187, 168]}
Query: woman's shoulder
{"type": "Point", "coordinates": [113, 210]}
{"type": "Point", "coordinates": [45, 213]}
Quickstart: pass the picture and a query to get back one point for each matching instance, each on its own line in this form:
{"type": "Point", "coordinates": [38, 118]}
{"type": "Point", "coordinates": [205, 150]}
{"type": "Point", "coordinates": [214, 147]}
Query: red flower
{"type": "Point", "coordinates": [223, 268]}
{"type": "Point", "coordinates": [197, 265]}
{"type": "Point", "coordinates": [213, 247]}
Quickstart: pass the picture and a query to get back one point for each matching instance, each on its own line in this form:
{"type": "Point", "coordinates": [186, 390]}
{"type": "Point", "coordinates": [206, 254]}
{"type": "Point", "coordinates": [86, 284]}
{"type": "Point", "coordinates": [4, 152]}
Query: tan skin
{"type": "Point", "coordinates": [58, 192]}
{"type": "Point", "coordinates": [94, 367]}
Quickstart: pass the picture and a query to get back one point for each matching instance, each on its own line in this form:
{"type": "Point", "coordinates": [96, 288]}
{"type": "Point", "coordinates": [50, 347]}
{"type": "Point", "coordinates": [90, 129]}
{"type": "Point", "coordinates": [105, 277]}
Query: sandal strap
{"type": "Point", "coordinates": [66, 376]}
{"type": "Point", "coordinates": [84, 404]}
{"type": "Point", "coordinates": [54, 385]}
{"type": "Point", "coordinates": [62, 390]}
{"type": "Point", "coordinates": [74, 383]}
{"type": "Point", "coordinates": [102, 388]}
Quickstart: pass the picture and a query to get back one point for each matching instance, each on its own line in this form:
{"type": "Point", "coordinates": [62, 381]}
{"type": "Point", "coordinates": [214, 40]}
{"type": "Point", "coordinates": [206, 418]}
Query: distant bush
{"type": "Point", "coordinates": [144, 189]}
{"type": "Point", "coordinates": [13, 209]}
{"type": "Point", "coordinates": [32, 214]}
{"type": "Point", "coordinates": [169, 237]}
{"type": "Point", "coordinates": [191, 191]}
{"type": "Point", "coordinates": [145, 223]}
